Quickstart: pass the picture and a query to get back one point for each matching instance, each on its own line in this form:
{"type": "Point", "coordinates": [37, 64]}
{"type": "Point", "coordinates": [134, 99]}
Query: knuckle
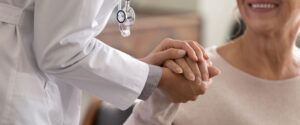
{"type": "Point", "coordinates": [207, 85]}
{"type": "Point", "coordinates": [167, 41]}
{"type": "Point", "coordinates": [200, 61]}
{"type": "Point", "coordinates": [194, 98]}
{"type": "Point", "coordinates": [194, 43]}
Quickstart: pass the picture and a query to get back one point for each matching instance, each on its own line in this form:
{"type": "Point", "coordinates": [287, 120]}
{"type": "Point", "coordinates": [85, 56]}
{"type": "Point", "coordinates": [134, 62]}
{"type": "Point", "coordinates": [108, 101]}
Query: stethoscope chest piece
{"type": "Point", "coordinates": [121, 16]}
{"type": "Point", "coordinates": [125, 18]}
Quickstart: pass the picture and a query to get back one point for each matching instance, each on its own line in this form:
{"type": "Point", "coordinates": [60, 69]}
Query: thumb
{"type": "Point", "coordinates": [169, 54]}
{"type": "Point", "coordinates": [213, 71]}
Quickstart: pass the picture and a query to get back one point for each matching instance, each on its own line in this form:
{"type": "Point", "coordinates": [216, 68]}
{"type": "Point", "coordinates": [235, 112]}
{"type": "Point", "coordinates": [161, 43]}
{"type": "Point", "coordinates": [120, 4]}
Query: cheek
{"type": "Point", "coordinates": [293, 13]}
{"type": "Point", "coordinates": [242, 9]}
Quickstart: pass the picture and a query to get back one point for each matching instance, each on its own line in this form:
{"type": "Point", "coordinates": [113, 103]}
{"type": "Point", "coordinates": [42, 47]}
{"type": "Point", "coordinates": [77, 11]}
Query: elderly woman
{"type": "Point", "coordinates": [260, 84]}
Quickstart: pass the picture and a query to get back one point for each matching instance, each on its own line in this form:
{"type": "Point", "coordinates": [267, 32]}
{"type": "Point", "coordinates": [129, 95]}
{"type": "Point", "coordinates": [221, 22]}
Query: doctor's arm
{"type": "Point", "coordinates": [67, 51]}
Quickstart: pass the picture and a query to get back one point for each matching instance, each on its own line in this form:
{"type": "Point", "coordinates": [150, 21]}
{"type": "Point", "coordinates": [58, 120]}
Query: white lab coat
{"type": "Point", "coordinates": [48, 54]}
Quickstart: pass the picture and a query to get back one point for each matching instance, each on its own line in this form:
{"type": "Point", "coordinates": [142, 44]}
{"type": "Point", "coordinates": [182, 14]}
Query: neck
{"type": "Point", "coordinates": [273, 53]}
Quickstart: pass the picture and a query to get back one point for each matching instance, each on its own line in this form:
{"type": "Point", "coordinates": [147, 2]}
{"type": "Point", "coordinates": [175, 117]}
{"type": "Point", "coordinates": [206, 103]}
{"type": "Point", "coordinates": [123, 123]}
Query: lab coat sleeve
{"type": "Point", "coordinates": [156, 110]}
{"type": "Point", "coordinates": [155, 74]}
{"type": "Point", "coordinates": [66, 50]}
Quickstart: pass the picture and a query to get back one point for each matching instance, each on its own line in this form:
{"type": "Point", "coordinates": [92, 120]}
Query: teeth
{"type": "Point", "coordinates": [263, 5]}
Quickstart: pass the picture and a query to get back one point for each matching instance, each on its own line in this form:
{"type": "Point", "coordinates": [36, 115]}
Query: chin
{"type": "Point", "coordinates": [263, 26]}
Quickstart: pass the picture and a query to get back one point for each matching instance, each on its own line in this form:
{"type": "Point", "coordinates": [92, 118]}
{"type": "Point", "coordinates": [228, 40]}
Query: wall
{"type": "Point", "coordinates": [217, 16]}
{"type": "Point", "coordinates": [162, 6]}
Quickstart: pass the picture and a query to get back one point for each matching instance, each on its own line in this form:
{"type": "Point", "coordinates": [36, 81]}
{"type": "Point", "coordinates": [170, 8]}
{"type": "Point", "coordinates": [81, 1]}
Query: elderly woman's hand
{"type": "Point", "coordinates": [170, 49]}
{"type": "Point", "coordinates": [177, 87]}
{"type": "Point", "coordinates": [198, 71]}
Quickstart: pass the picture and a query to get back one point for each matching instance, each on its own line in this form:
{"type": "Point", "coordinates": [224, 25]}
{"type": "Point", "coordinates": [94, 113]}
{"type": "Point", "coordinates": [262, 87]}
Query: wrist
{"type": "Point", "coordinates": [163, 83]}
{"type": "Point", "coordinates": [151, 59]}
{"type": "Point", "coordinates": [143, 60]}
{"type": "Point", "coordinates": [146, 59]}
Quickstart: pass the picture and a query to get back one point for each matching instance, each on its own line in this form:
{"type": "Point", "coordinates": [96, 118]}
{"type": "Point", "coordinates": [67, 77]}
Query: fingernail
{"type": "Point", "coordinates": [206, 55]}
{"type": "Point", "coordinates": [191, 77]}
{"type": "Point", "coordinates": [181, 52]}
{"type": "Point", "coordinates": [179, 70]}
{"type": "Point", "coordinates": [196, 58]}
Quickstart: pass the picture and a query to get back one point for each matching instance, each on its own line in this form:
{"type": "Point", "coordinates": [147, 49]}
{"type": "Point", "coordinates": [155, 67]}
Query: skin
{"type": "Point", "coordinates": [200, 71]}
{"type": "Point", "coordinates": [266, 48]}
{"type": "Point", "coordinates": [180, 88]}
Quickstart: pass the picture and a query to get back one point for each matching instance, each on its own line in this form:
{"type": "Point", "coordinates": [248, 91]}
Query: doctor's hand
{"type": "Point", "coordinates": [179, 89]}
{"type": "Point", "coordinates": [194, 71]}
{"type": "Point", "coordinates": [170, 49]}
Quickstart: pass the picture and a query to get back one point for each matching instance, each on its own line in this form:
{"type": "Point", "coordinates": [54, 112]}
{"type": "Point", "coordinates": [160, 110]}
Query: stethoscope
{"type": "Point", "coordinates": [125, 17]}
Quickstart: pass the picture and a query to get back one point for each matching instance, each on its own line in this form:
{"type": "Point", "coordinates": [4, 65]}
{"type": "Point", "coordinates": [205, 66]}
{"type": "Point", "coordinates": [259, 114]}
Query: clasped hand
{"type": "Point", "coordinates": [187, 69]}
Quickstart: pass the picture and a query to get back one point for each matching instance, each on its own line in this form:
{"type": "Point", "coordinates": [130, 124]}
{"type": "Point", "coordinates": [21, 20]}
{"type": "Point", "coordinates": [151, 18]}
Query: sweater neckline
{"type": "Point", "coordinates": [250, 76]}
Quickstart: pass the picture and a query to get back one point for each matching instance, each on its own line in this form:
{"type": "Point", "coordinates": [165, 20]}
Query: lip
{"type": "Point", "coordinates": [263, 6]}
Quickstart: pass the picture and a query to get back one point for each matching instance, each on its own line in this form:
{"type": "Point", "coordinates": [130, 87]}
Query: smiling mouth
{"type": "Point", "coordinates": [263, 5]}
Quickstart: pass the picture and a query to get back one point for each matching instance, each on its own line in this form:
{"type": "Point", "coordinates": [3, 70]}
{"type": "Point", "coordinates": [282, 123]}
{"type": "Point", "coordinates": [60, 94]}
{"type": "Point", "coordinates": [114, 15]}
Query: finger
{"type": "Point", "coordinates": [203, 51]}
{"type": "Point", "coordinates": [178, 44]}
{"type": "Point", "coordinates": [203, 66]}
{"type": "Point", "coordinates": [201, 60]}
{"type": "Point", "coordinates": [208, 83]}
{"type": "Point", "coordinates": [174, 67]}
{"type": "Point", "coordinates": [187, 72]}
{"type": "Point", "coordinates": [195, 69]}
{"type": "Point", "coordinates": [213, 71]}
{"type": "Point", "coordinates": [168, 54]}
{"type": "Point", "coordinates": [197, 50]}
{"type": "Point", "coordinates": [209, 62]}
